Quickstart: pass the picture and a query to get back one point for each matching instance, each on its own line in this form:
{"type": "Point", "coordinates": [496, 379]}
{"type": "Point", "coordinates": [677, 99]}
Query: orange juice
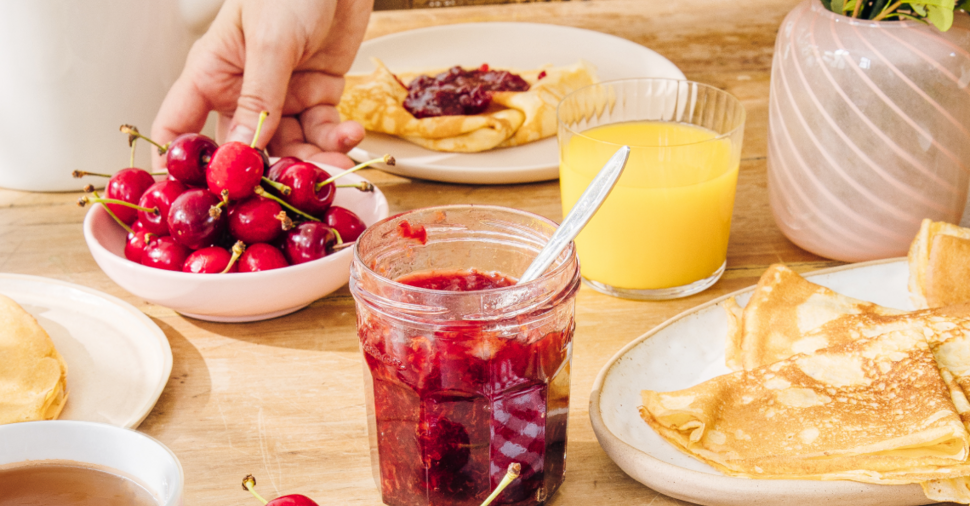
{"type": "Point", "coordinates": [666, 222]}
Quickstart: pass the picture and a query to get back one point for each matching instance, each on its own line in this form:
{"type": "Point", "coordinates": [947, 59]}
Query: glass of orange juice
{"type": "Point", "coordinates": [663, 231]}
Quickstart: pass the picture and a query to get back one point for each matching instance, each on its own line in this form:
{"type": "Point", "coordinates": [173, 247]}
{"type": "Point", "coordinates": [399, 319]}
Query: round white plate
{"type": "Point", "coordinates": [118, 360]}
{"type": "Point", "coordinates": [689, 349]}
{"type": "Point", "coordinates": [501, 45]}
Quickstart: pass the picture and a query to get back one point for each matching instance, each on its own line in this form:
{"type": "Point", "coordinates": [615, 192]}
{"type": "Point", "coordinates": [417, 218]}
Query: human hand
{"type": "Point", "coordinates": [285, 57]}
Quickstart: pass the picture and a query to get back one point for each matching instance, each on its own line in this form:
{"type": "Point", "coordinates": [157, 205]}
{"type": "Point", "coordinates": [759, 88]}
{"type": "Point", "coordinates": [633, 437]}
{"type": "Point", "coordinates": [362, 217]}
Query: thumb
{"type": "Point", "coordinates": [266, 78]}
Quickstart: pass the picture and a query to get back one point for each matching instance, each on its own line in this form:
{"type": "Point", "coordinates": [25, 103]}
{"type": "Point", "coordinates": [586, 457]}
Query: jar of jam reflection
{"type": "Point", "coordinates": [466, 371]}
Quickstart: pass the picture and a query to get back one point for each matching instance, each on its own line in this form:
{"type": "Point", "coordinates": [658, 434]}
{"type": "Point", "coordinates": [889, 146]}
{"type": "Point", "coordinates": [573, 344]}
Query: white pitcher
{"type": "Point", "coordinates": [73, 71]}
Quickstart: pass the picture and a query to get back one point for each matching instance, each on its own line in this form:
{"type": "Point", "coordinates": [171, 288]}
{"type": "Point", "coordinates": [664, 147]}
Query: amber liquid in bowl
{"type": "Point", "coordinates": [69, 484]}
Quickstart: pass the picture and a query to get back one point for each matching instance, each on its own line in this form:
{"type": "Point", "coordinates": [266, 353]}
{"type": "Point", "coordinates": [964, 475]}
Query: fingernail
{"type": "Point", "coordinates": [241, 133]}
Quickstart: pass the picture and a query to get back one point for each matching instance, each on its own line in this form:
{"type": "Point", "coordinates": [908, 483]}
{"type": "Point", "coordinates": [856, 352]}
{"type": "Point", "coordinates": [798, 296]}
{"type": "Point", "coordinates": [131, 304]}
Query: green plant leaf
{"type": "Point", "coordinates": [941, 17]}
{"type": "Point", "coordinates": [964, 5]}
{"type": "Point", "coordinates": [876, 8]}
{"type": "Point", "coordinates": [828, 4]}
{"type": "Point", "coordinates": [838, 6]}
{"type": "Point", "coordinates": [918, 9]}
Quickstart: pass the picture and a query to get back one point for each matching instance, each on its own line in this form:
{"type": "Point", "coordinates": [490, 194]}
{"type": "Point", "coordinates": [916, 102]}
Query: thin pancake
{"type": "Point", "coordinates": [874, 410]}
{"type": "Point", "coordinates": [937, 279]}
{"type": "Point", "coordinates": [514, 118]}
{"type": "Point", "coordinates": [783, 308]}
{"type": "Point", "coordinates": [33, 376]}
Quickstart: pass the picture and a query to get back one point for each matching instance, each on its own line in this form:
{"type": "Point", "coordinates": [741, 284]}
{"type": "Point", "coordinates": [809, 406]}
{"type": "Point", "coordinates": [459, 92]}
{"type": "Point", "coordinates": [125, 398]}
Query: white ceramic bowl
{"type": "Point", "coordinates": [237, 297]}
{"type": "Point", "coordinates": [131, 452]}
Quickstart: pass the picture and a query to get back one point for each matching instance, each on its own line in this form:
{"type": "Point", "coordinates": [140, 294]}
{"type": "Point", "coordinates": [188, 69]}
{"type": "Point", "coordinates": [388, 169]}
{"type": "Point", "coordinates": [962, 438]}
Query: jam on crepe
{"type": "Point", "coordinates": [458, 91]}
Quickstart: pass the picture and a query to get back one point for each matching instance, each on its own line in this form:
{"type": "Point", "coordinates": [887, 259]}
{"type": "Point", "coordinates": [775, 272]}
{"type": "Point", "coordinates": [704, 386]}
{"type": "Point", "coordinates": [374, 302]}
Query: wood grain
{"type": "Point", "coordinates": [283, 399]}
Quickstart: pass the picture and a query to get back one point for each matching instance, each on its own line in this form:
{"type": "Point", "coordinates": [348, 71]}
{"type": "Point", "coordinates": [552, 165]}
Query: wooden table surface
{"type": "Point", "coordinates": [283, 399]}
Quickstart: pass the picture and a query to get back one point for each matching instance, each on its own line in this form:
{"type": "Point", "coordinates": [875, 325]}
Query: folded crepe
{"type": "Point", "coordinates": [759, 334]}
{"type": "Point", "coordinates": [376, 101]}
{"type": "Point", "coordinates": [783, 308]}
{"type": "Point", "coordinates": [875, 410]}
{"type": "Point", "coordinates": [939, 265]}
{"type": "Point", "coordinates": [33, 376]}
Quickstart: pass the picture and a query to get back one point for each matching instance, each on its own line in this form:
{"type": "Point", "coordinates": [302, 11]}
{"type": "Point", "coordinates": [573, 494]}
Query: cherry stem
{"type": "Point", "coordinates": [237, 250]}
{"type": "Point", "coordinates": [285, 221]}
{"type": "Point", "coordinates": [364, 186]}
{"type": "Point", "coordinates": [263, 193]}
{"type": "Point", "coordinates": [83, 201]}
{"type": "Point", "coordinates": [280, 187]}
{"type": "Point", "coordinates": [388, 159]}
{"type": "Point", "coordinates": [112, 214]}
{"type": "Point", "coordinates": [78, 174]}
{"type": "Point", "coordinates": [131, 158]}
{"type": "Point", "coordinates": [259, 127]}
{"type": "Point", "coordinates": [133, 132]}
{"type": "Point", "coordinates": [340, 240]}
{"type": "Point", "coordinates": [249, 483]}
{"type": "Point", "coordinates": [514, 470]}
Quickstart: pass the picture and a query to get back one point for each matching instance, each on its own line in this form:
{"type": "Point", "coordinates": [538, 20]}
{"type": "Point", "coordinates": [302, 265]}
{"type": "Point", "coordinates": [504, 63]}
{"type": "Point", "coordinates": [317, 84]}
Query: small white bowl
{"type": "Point", "coordinates": [132, 453]}
{"type": "Point", "coordinates": [236, 297]}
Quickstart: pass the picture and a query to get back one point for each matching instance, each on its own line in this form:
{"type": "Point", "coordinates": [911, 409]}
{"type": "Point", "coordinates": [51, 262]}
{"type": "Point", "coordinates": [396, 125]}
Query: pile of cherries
{"type": "Point", "coordinates": [226, 209]}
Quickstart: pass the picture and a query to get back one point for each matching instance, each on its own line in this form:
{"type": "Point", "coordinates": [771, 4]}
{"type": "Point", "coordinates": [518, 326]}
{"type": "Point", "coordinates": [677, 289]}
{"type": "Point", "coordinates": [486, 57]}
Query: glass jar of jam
{"type": "Point", "coordinates": [466, 372]}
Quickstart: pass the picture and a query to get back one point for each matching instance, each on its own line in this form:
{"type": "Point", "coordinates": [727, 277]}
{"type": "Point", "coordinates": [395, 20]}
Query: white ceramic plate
{"type": "Point", "coordinates": [509, 45]}
{"type": "Point", "coordinates": [118, 360]}
{"type": "Point", "coordinates": [689, 349]}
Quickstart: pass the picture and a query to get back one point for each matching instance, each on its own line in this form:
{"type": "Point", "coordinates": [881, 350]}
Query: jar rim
{"type": "Point", "coordinates": [556, 270]}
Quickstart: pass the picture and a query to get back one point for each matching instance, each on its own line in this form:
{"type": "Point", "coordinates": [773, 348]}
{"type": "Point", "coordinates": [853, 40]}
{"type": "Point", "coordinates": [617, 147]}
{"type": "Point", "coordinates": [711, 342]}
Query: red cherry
{"type": "Point", "coordinates": [135, 244]}
{"type": "Point", "coordinates": [347, 224]}
{"type": "Point", "coordinates": [261, 257]}
{"type": "Point", "coordinates": [191, 219]}
{"type": "Point", "coordinates": [302, 178]}
{"type": "Point", "coordinates": [164, 253]}
{"type": "Point", "coordinates": [310, 240]}
{"type": "Point", "coordinates": [276, 169]}
{"type": "Point", "coordinates": [211, 260]}
{"type": "Point", "coordinates": [137, 226]}
{"type": "Point", "coordinates": [128, 185]}
{"type": "Point", "coordinates": [256, 220]}
{"type": "Point", "coordinates": [161, 195]}
{"type": "Point", "coordinates": [235, 167]}
{"type": "Point", "coordinates": [292, 500]}
{"type": "Point", "coordinates": [188, 157]}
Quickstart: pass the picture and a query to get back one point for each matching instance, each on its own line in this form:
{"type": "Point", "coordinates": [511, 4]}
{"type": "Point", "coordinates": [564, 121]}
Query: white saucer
{"type": "Point", "coordinates": [118, 360]}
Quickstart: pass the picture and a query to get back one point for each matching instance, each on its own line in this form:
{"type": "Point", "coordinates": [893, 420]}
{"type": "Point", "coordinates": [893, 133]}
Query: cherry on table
{"type": "Point", "coordinates": [194, 220]}
{"type": "Point", "coordinates": [309, 241]}
{"type": "Point", "coordinates": [161, 195]}
{"type": "Point", "coordinates": [164, 253]}
{"type": "Point", "coordinates": [249, 483]}
{"type": "Point", "coordinates": [128, 185]}
{"type": "Point", "coordinates": [188, 157]}
{"type": "Point", "coordinates": [258, 219]}
{"type": "Point", "coordinates": [211, 260]}
{"type": "Point", "coordinates": [346, 222]}
{"type": "Point", "coordinates": [261, 257]}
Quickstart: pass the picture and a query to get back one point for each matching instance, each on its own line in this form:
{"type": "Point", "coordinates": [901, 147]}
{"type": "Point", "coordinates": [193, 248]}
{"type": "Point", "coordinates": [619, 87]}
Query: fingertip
{"type": "Point", "coordinates": [350, 134]}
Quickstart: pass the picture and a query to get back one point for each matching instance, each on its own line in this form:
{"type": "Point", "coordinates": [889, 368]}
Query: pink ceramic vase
{"type": "Point", "coordinates": [869, 131]}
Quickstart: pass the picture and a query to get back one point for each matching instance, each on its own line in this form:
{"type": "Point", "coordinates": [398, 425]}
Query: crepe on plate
{"type": "Point", "coordinates": [875, 410]}
{"type": "Point", "coordinates": [33, 376]}
{"type": "Point", "coordinates": [782, 309]}
{"type": "Point", "coordinates": [946, 331]}
{"type": "Point", "coordinates": [376, 101]}
{"type": "Point", "coordinates": [939, 265]}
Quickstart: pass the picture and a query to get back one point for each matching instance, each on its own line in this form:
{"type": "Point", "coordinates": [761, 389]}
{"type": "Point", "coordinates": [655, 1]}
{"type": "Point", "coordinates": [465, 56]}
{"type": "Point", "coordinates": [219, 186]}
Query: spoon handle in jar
{"type": "Point", "coordinates": [585, 208]}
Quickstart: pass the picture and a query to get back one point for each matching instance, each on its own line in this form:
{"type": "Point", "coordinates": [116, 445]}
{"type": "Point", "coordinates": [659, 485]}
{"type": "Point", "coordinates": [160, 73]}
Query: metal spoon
{"type": "Point", "coordinates": [585, 208]}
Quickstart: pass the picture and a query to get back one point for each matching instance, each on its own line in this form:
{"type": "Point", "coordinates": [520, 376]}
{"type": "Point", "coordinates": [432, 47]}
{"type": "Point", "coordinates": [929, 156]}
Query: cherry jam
{"type": "Point", "coordinates": [454, 407]}
{"type": "Point", "coordinates": [458, 91]}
